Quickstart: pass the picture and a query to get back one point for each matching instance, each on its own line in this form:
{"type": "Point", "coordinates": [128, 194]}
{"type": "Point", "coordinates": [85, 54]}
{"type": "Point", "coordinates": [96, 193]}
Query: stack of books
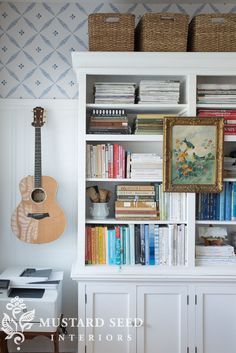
{"type": "Point", "coordinates": [219, 207]}
{"type": "Point", "coordinates": [215, 255]}
{"type": "Point", "coordinates": [105, 161]}
{"type": "Point", "coordinates": [144, 244]}
{"type": "Point", "coordinates": [109, 121]}
{"type": "Point", "coordinates": [114, 93]}
{"type": "Point", "coordinates": [163, 92]}
{"type": "Point", "coordinates": [149, 124]}
{"type": "Point", "coordinates": [136, 202]}
{"type": "Point", "coordinates": [229, 116]}
{"type": "Point", "coordinates": [219, 93]}
{"type": "Point", "coordinates": [146, 166]}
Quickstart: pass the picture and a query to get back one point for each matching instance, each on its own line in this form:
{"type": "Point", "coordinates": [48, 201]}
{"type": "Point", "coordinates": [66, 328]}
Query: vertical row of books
{"type": "Point", "coordinates": [145, 244]}
{"type": "Point", "coordinates": [219, 207]}
{"type": "Point", "coordinates": [113, 161]}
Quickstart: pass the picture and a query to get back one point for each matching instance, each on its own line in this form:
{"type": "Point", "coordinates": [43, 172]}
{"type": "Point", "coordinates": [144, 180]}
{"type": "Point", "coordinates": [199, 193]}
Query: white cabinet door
{"type": "Point", "coordinates": [216, 319]}
{"type": "Point", "coordinates": [111, 305]}
{"type": "Point", "coordinates": [163, 310]}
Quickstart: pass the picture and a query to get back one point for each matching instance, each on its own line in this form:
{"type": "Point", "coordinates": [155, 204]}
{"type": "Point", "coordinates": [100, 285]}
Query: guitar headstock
{"type": "Point", "coordinates": [39, 117]}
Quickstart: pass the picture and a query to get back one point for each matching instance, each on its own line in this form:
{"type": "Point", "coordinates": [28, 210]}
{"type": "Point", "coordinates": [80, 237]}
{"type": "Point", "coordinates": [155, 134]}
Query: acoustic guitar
{"type": "Point", "coordinates": [38, 218]}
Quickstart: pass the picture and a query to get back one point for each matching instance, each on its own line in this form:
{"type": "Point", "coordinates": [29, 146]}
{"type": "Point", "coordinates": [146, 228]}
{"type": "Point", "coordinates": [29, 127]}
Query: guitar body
{"type": "Point", "coordinates": [38, 218]}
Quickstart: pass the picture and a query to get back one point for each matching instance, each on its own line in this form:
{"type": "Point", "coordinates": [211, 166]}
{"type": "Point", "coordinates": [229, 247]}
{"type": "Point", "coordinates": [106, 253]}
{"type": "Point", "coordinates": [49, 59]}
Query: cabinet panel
{"type": "Point", "coordinates": [111, 306]}
{"type": "Point", "coordinates": [216, 320]}
{"type": "Point", "coordinates": [164, 313]}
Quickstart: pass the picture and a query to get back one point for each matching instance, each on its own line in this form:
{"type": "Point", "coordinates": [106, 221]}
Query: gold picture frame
{"type": "Point", "coordinates": [193, 150]}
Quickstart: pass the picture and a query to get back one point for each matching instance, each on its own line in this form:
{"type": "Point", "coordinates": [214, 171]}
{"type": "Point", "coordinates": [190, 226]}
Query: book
{"type": "Point", "coordinates": [219, 207]}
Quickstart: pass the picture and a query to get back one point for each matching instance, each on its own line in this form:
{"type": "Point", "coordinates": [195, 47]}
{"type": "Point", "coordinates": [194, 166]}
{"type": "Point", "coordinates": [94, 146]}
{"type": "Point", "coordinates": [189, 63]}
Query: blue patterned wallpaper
{"type": "Point", "coordinates": [36, 40]}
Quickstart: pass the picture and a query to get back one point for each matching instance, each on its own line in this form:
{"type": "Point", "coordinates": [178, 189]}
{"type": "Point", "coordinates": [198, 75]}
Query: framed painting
{"type": "Point", "coordinates": [193, 154]}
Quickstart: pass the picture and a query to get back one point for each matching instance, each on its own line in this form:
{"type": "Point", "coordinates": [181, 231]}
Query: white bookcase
{"type": "Point", "coordinates": [190, 69]}
{"type": "Point", "coordinates": [182, 300]}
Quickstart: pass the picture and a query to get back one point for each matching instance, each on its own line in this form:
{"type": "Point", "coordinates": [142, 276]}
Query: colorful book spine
{"type": "Point", "coordinates": [233, 205]}
{"type": "Point", "coordinates": [146, 237]}
{"type": "Point", "coordinates": [156, 245]}
{"type": "Point", "coordinates": [151, 244]}
{"type": "Point", "coordinates": [118, 246]}
{"type": "Point", "coordinates": [146, 244]}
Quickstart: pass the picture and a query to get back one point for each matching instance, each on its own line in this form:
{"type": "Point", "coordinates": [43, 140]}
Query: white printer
{"type": "Point", "coordinates": [35, 290]}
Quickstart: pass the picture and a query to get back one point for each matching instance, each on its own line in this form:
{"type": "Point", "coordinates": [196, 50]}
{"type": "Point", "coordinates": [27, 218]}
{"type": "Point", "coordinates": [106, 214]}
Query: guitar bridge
{"type": "Point", "coordinates": [38, 215]}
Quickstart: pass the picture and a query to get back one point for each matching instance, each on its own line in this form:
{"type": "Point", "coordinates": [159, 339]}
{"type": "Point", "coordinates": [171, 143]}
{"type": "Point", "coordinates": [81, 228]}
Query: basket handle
{"type": "Point", "coordinates": [167, 18]}
{"type": "Point", "coordinates": [111, 19]}
{"type": "Point", "coordinates": [218, 20]}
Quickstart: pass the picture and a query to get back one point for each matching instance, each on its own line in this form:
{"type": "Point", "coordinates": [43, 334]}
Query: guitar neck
{"type": "Point", "coordinates": [38, 160]}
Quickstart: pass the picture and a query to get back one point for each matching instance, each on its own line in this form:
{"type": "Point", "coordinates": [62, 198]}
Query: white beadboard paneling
{"type": "Point", "coordinates": [59, 146]}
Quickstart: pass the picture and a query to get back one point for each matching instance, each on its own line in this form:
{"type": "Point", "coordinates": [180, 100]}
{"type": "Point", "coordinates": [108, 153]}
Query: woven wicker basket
{"type": "Point", "coordinates": [111, 32]}
{"type": "Point", "coordinates": [213, 32]}
{"type": "Point", "coordinates": [162, 32]}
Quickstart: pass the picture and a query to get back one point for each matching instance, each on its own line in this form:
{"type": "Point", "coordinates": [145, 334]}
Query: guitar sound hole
{"type": "Point", "coordinates": [38, 195]}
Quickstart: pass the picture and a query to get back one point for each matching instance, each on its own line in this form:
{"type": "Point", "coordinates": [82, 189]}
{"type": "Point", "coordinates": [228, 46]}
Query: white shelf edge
{"type": "Point", "coordinates": [105, 180]}
{"type": "Point", "coordinates": [139, 138]}
{"type": "Point", "coordinates": [129, 138]}
{"type": "Point", "coordinates": [117, 221]}
{"type": "Point", "coordinates": [230, 138]}
{"type": "Point", "coordinates": [217, 105]}
{"type": "Point", "coordinates": [134, 107]}
{"type": "Point", "coordinates": [216, 222]}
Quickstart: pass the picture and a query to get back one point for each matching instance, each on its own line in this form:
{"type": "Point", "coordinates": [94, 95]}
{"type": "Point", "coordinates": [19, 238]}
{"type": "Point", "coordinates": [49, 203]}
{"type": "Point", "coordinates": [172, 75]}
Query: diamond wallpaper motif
{"type": "Point", "coordinates": [36, 41]}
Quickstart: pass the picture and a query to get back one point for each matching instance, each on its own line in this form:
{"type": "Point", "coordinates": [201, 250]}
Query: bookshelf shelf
{"type": "Point", "coordinates": [230, 138]}
{"type": "Point", "coordinates": [116, 180]}
{"type": "Point", "coordinates": [129, 138]}
{"type": "Point", "coordinates": [232, 223]}
{"type": "Point", "coordinates": [116, 221]}
{"type": "Point", "coordinates": [139, 138]}
{"type": "Point", "coordinates": [217, 106]}
{"type": "Point", "coordinates": [135, 108]}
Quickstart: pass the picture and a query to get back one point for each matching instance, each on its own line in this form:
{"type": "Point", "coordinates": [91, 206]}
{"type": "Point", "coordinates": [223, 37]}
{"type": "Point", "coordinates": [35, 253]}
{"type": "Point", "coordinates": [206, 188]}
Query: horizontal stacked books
{"type": "Point", "coordinates": [168, 206]}
{"type": "Point", "coordinates": [146, 166]}
{"type": "Point", "coordinates": [163, 92]}
{"type": "Point", "coordinates": [215, 255]}
{"type": "Point", "coordinates": [114, 93]}
{"type": "Point", "coordinates": [229, 116]}
{"type": "Point", "coordinates": [145, 244]}
{"type": "Point", "coordinates": [136, 202]}
{"type": "Point", "coordinates": [149, 124]}
{"type": "Point", "coordinates": [109, 121]}
{"type": "Point", "coordinates": [105, 161]}
{"type": "Point", "coordinates": [210, 93]}
{"type": "Point", "coordinates": [219, 207]}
